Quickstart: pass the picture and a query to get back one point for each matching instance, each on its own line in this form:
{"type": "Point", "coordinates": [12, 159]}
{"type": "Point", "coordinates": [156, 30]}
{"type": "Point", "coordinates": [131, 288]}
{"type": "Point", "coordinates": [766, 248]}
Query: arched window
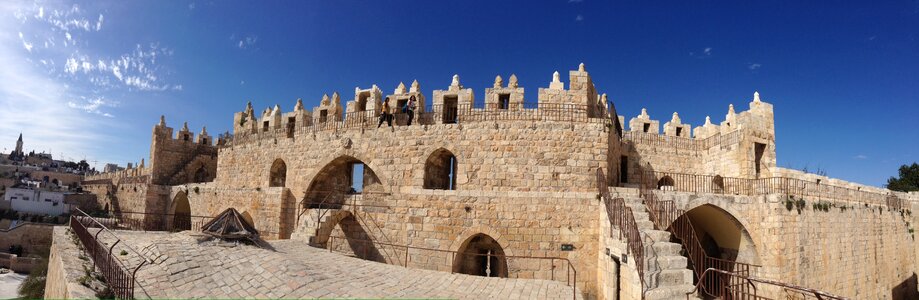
{"type": "Point", "coordinates": [665, 183]}
{"type": "Point", "coordinates": [278, 177]}
{"type": "Point", "coordinates": [440, 170]}
{"type": "Point", "coordinates": [201, 175]}
{"type": "Point", "coordinates": [718, 184]}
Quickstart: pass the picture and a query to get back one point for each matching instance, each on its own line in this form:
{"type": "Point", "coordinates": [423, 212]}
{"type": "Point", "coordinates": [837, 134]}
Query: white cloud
{"type": "Point", "coordinates": [245, 43]}
{"type": "Point", "coordinates": [191, 6]}
{"type": "Point", "coordinates": [753, 66]}
{"type": "Point", "coordinates": [26, 45]}
{"type": "Point", "coordinates": [93, 105]}
{"type": "Point", "coordinates": [860, 156]}
{"type": "Point", "coordinates": [99, 23]}
{"type": "Point", "coordinates": [707, 51]}
{"type": "Point", "coordinates": [579, 18]}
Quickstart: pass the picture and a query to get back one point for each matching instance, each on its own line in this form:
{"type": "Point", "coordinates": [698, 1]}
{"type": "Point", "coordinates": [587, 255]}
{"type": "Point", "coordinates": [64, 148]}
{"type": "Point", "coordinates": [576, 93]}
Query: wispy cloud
{"type": "Point", "coordinates": [754, 66]}
{"type": "Point", "coordinates": [860, 156]}
{"type": "Point", "coordinates": [579, 18]}
{"type": "Point", "coordinates": [191, 6]}
{"type": "Point", "coordinates": [246, 42]}
{"type": "Point", "coordinates": [705, 53]}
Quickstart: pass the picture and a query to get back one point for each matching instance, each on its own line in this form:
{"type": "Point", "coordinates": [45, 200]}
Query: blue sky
{"type": "Point", "coordinates": [90, 79]}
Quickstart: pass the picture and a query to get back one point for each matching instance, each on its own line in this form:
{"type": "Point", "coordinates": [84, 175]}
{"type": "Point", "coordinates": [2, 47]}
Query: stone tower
{"type": "Point", "coordinates": [19, 145]}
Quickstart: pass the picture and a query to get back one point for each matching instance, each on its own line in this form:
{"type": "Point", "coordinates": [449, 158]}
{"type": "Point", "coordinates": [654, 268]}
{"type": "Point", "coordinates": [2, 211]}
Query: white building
{"type": "Point", "coordinates": [37, 201]}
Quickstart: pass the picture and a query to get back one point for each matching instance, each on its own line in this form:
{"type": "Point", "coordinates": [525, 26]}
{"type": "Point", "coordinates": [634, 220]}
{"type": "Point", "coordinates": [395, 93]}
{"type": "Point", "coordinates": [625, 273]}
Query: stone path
{"type": "Point", "coordinates": [184, 267]}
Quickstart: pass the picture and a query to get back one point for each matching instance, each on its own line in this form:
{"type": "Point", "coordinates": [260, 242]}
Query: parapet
{"type": "Point", "coordinates": [504, 97]}
{"type": "Point", "coordinates": [643, 123]}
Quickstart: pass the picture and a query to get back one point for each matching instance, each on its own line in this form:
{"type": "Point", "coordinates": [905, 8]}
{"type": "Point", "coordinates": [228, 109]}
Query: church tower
{"type": "Point", "coordinates": [19, 145]}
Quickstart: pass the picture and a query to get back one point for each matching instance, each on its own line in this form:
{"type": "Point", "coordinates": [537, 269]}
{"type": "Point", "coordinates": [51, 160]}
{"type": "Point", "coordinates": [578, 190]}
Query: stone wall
{"type": "Point", "coordinates": [33, 237]}
{"type": "Point", "coordinates": [851, 249]}
{"type": "Point", "coordinates": [65, 268]}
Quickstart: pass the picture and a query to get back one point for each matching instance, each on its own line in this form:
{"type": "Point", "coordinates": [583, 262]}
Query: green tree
{"type": "Point", "coordinates": [908, 181]}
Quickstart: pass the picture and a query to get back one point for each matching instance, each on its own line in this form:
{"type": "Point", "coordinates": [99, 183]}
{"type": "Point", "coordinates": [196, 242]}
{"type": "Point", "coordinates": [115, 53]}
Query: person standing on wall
{"type": "Point", "coordinates": [410, 109]}
{"type": "Point", "coordinates": [385, 115]}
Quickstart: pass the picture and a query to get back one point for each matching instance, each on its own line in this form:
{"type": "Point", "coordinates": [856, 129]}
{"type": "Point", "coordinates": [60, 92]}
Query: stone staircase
{"type": "Point", "coordinates": [666, 272]}
{"type": "Point", "coordinates": [307, 228]}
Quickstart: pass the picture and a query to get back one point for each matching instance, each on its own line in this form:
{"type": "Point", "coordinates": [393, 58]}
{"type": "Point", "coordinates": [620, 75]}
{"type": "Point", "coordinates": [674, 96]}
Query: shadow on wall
{"type": "Point", "coordinates": [906, 289]}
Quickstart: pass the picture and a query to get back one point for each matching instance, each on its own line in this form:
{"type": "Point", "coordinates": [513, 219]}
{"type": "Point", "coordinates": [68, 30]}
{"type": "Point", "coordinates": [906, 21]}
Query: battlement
{"type": "Point", "coordinates": [448, 106]}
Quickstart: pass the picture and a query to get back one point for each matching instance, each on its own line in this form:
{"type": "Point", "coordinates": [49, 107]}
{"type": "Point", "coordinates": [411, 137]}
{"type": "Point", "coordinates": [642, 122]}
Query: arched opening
{"type": "Point", "coordinates": [343, 178]}
{"type": "Point", "coordinates": [181, 214]}
{"type": "Point", "coordinates": [346, 235]}
{"type": "Point", "coordinates": [278, 176]}
{"type": "Point", "coordinates": [665, 183]}
{"type": "Point", "coordinates": [481, 255]}
{"type": "Point", "coordinates": [362, 101]}
{"type": "Point", "coordinates": [248, 218]}
{"type": "Point", "coordinates": [719, 235]}
{"type": "Point", "coordinates": [201, 175]}
{"type": "Point", "coordinates": [440, 170]}
{"type": "Point", "coordinates": [718, 184]}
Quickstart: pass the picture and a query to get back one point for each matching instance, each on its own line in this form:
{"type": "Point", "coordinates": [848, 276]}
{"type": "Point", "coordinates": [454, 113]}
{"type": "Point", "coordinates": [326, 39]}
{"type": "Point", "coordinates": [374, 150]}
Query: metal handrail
{"type": "Point", "coordinates": [571, 278]}
{"type": "Point", "coordinates": [621, 216]}
{"type": "Point", "coordinates": [86, 216]}
{"type": "Point", "coordinates": [749, 280]}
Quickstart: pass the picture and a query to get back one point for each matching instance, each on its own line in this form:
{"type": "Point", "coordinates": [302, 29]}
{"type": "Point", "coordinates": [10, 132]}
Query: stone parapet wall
{"type": "Point", "coordinates": [65, 267]}
{"type": "Point", "coordinates": [34, 238]}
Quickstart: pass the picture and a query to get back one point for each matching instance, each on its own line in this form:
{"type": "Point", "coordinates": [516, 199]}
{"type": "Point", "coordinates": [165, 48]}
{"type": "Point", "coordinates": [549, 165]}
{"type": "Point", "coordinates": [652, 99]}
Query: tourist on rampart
{"type": "Point", "coordinates": [385, 114]}
{"type": "Point", "coordinates": [410, 109]}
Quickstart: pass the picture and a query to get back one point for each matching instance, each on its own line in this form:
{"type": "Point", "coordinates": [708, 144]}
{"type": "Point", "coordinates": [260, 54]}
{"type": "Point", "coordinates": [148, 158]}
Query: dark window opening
{"type": "Point", "coordinates": [647, 127]}
{"type": "Point", "coordinates": [323, 115]}
{"type": "Point", "coordinates": [758, 149]}
{"type": "Point", "coordinates": [185, 137]}
{"type": "Point", "coordinates": [400, 104]}
{"type": "Point", "coordinates": [291, 122]}
{"type": "Point", "coordinates": [265, 126]}
{"type": "Point", "coordinates": [278, 176]}
{"type": "Point", "coordinates": [450, 108]}
{"type": "Point", "coordinates": [504, 101]}
{"type": "Point", "coordinates": [665, 182]}
{"type": "Point", "coordinates": [679, 131]}
{"type": "Point", "coordinates": [201, 175]}
{"type": "Point", "coordinates": [624, 169]}
{"type": "Point", "coordinates": [440, 171]}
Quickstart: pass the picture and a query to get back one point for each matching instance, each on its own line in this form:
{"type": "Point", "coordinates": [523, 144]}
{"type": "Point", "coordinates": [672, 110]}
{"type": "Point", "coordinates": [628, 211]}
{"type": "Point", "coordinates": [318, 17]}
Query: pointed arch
{"type": "Point", "coordinates": [665, 183]}
{"type": "Point", "coordinates": [340, 177]}
{"type": "Point", "coordinates": [278, 174]}
{"type": "Point", "coordinates": [181, 212]}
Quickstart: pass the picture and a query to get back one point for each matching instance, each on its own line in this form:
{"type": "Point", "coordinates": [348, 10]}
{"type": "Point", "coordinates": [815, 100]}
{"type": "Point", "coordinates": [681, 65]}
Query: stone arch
{"type": "Point", "coordinates": [665, 183]}
{"type": "Point", "coordinates": [481, 255]}
{"type": "Point", "coordinates": [382, 174]}
{"type": "Point", "coordinates": [440, 170]}
{"type": "Point", "coordinates": [192, 173]}
{"type": "Point", "coordinates": [333, 182]}
{"type": "Point", "coordinates": [350, 236]}
{"type": "Point", "coordinates": [277, 176]}
{"type": "Point", "coordinates": [725, 229]}
{"type": "Point", "coordinates": [181, 212]}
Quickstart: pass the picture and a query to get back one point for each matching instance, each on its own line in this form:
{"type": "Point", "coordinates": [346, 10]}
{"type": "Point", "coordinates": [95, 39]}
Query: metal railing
{"type": "Point", "coordinates": [742, 287]}
{"type": "Point", "coordinates": [119, 278]}
{"type": "Point", "coordinates": [621, 217]}
{"type": "Point", "coordinates": [571, 274]}
{"type": "Point", "coordinates": [434, 114]}
{"type": "Point", "coordinates": [666, 216]}
{"type": "Point", "coordinates": [672, 181]}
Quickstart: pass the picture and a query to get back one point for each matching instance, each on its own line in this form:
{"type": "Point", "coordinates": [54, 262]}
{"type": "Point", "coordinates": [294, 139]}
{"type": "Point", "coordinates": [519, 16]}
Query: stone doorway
{"type": "Point", "coordinates": [481, 255]}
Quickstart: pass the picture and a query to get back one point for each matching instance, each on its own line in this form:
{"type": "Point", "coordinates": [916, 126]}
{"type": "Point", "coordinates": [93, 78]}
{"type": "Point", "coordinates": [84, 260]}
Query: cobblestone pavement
{"type": "Point", "coordinates": [184, 266]}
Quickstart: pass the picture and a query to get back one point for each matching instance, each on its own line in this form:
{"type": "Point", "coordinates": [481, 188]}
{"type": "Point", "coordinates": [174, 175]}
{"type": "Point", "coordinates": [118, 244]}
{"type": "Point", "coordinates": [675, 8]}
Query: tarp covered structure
{"type": "Point", "coordinates": [230, 225]}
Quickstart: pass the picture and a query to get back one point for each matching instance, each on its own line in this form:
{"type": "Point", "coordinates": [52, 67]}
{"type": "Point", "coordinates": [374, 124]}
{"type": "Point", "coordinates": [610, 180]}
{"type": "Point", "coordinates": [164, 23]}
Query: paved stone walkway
{"type": "Point", "coordinates": [185, 267]}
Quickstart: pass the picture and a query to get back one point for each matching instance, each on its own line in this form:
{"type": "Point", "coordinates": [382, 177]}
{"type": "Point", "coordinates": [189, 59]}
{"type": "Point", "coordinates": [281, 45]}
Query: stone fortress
{"type": "Point", "coordinates": [561, 177]}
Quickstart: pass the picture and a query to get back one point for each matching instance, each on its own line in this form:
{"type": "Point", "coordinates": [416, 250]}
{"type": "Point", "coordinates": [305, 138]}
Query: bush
{"type": "Point", "coordinates": [33, 287]}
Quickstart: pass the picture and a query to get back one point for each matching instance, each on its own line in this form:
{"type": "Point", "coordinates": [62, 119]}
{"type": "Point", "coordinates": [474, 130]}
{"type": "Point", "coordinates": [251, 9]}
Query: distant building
{"type": "Point", "coordinates": [36, 201]}
{"type": "Point", "coordinates": [111, 168]}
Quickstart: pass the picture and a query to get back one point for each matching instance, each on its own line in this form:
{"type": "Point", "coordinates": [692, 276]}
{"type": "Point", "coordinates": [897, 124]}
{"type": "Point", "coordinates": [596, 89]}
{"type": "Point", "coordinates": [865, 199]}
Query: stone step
{"type": "Point", "coordinates": [666, 262]}
{"type": "Point", "coordinates": [658, 235]}
{"type": "Point", "coordinates": [671, 292]}
{"type": "Point", "coordinates": [665, 248]}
